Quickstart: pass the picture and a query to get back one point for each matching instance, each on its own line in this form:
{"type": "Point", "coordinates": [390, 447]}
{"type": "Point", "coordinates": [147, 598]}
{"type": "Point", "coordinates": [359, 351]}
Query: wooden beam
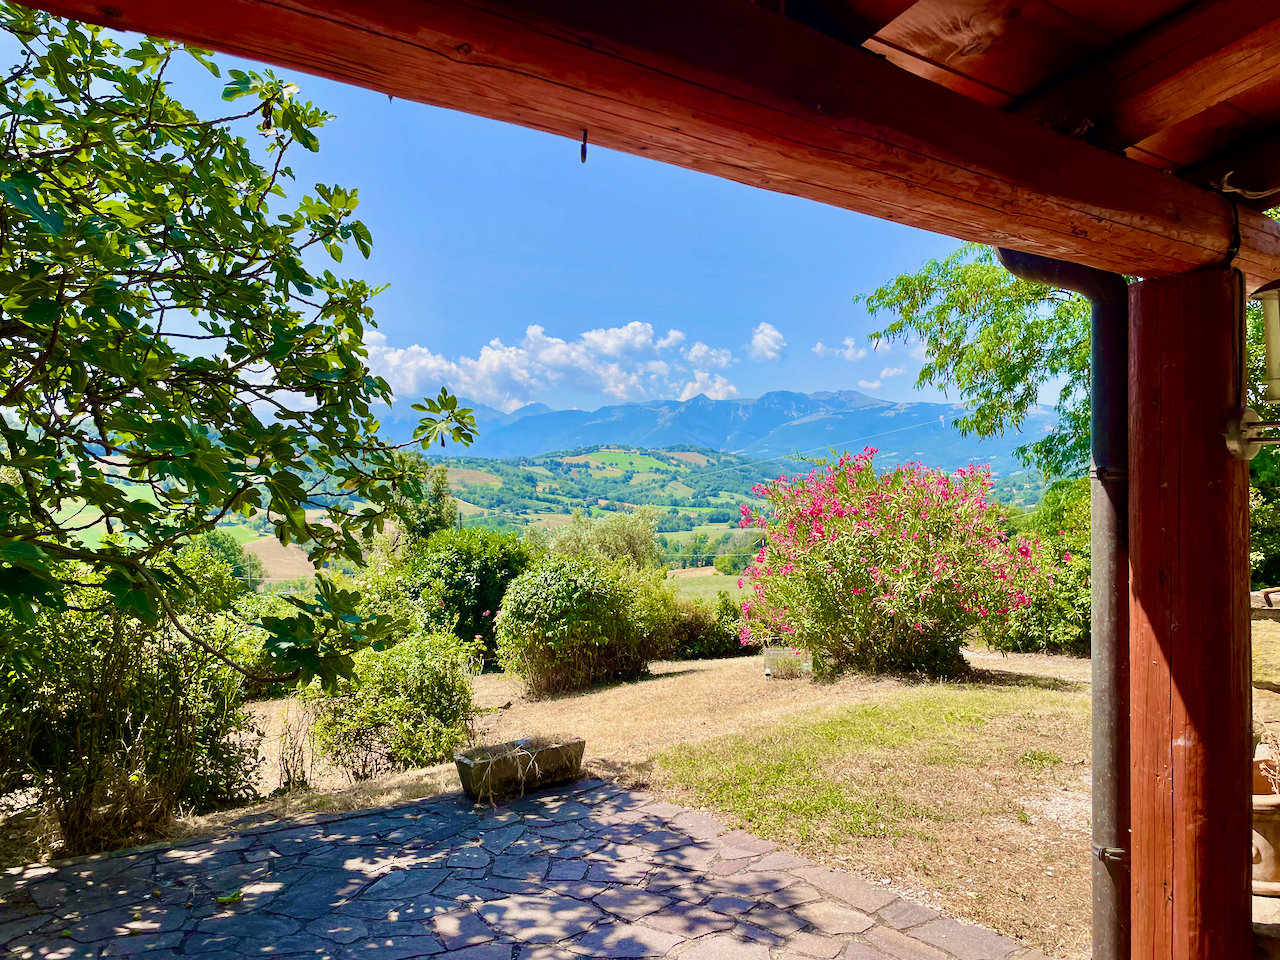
{"type": "Point", "coordinates": [1189, 673]}
{"type": "Point", "coordinates": [1214, 50]}
{"type": "Point", "coordinates": [734, 90]}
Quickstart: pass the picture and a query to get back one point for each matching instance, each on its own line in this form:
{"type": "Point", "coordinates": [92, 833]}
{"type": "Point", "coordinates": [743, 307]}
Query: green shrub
{"type": "Point", "coordinates": [701, 632]}
{"type": "Point", "coordinates": [221, 544]}
{"type": "Point", "coordinates": [653, 608]}
{"type": "Point", "coordinates": [112, 724]}
{"type": "Point", "coordinates": [887, 572]}
{"type": "Point", "coordinates": [622, 537]}
{"type": "Point", "coordinates": [405, 706]}
{"type": "Point", "coordinates": [1057, 618]}
{"type": "Point", "coordinates": [569, 623]}
{"type": "Point", "coordinates": [456, 580]}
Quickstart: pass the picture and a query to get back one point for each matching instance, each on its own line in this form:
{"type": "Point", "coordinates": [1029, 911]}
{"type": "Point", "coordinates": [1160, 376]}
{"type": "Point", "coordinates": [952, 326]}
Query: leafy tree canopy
{"type": "Point", "coordinates": [174, 344]}
{"type": "Point", "coordinates": [998, 341]}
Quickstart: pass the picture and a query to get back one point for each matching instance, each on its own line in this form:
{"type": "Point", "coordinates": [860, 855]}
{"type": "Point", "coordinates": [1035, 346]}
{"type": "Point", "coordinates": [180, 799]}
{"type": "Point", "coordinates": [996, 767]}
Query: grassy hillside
{"type": "Point", "coordinates": [703, 486]}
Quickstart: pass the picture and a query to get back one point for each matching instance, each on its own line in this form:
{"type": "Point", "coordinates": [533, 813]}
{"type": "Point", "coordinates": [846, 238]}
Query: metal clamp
{"type": "Point", "coordinates": [1244, 433]}
{"type": "Point", "coordinates": [1109, 854]}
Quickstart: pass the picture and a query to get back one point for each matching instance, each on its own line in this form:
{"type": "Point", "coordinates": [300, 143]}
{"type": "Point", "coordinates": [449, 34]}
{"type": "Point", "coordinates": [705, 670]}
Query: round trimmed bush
{"type": "Point", "coordinates": [571, 622]}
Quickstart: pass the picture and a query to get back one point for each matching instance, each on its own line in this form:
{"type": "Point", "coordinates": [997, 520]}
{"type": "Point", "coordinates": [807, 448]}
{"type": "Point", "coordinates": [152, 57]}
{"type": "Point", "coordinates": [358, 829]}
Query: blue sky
{"type": "Point", "coordinates": [518, 274]}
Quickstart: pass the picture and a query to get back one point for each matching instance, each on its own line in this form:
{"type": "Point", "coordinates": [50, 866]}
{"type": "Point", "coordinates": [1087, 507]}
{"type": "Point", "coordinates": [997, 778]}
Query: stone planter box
{"type": "Point", "coordinates": [509, 769]}
{"type": "Point", "coordinates": [784, 663]}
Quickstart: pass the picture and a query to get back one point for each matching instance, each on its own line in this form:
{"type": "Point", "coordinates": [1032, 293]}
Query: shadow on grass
{"type": "Point", "coordinates": [611, 685]}
{"type": "Point", "coordinates": [1008, 678]}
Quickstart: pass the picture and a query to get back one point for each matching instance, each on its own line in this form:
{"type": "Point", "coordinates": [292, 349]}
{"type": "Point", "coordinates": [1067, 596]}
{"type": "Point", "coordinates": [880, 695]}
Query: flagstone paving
{"type": "Point", "coordinates": [588, 870]}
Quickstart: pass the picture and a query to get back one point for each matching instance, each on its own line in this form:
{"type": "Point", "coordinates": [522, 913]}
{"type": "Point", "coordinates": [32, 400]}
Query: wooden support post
{"type": "Point", "coordinates": [1189, 622]}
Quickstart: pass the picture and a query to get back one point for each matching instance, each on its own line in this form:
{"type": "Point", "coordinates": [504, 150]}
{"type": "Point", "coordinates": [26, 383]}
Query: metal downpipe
{"type": "Point", "coordinates": [1109, 572]}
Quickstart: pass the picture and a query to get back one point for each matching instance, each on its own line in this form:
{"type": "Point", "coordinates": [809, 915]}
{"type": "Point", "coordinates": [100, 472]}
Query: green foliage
{"type": "Point", "coordinates": [171, 351]}
{"type": "Point", "coordinates": [998, 341]}
{"type": "Point", "coordinates": [457, 579]}
{"type": "Point", "coordinates": [1057, 618]}
{"type": "Point", "coordinates": [429, 507]}
{"type": "Point", "coordinates": [704, 632]}
{"type": "Point", "coordinates": [223, 546]}
{"type": "Point", "coordinates": [888, 572]}
{"type": "Point", "coordinates": [569, 623]}
{"type": "Point", "coordinates": [112, 723]}
{"type": "Point", "coordinates": [405, 706]}
{"type": "Point", "coordinates": [624, 537]}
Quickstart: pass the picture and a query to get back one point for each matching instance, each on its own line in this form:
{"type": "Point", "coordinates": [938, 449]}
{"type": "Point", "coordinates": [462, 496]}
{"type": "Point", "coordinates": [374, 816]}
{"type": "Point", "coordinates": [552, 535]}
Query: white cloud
{"type": "Point", "coordinates": [673, 339]}
{"type": "Point", "coordinates": [869, 384]}
{"type": "Point", "coordinates": [713, 385]}
{"type": "Point", "coordinates": [625, 362]}
{"type": "Point", "coordinates": [849, 351]}
{"type": "Point", "coordinates": [916, 350]}
{"type": "Point", "coordinates": [766, 342]}
{"type": "Point", "coordinates": [889, 372]}
{"type": "Point", "coordinates": [702, 355]}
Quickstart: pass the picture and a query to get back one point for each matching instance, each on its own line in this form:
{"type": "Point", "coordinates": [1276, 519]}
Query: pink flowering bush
{"type": "Point", "coordinates": [886, 572]}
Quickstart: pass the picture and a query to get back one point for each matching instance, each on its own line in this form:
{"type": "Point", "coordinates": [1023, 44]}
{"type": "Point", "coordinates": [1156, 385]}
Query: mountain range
{"type": "Point", "coordinates": [777, 424]}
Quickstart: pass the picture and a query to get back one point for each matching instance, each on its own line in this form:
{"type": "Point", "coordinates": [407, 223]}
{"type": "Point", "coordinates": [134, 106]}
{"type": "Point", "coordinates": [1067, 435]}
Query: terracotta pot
{"type": "Point", "coordinates": [1266, 844]}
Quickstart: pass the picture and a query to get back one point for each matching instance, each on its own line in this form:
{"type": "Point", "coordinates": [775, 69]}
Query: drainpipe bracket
{"type": "Point", "coordinates": [1109, 854]}
{"type": "Point", "coordinates": [1108, 474]}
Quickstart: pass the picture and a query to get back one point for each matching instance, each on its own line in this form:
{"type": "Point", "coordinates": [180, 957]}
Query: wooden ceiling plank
{"type": "Point", "coordinates": [851, 23]}
{"type": "Point", "coordinates": [1253, 167]}
{"type": "Point", "coordinates": [733, 90]}
{"type": "Point", "coordinates": [1203, 135]}
{"type": "Point", "coordinates": [1213, 51]}
{"type": "Point", "coordinates": [1007, 45]}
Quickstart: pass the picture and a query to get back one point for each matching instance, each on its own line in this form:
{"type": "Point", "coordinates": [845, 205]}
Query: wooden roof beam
{"type": "Point", "coordinates": [1209, 53]}
{"type": "Point", "coordinates": [733, 90]}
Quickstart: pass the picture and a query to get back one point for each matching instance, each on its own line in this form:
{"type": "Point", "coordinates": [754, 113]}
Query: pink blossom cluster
{"type": "Point", "coordinates": [908, 552]}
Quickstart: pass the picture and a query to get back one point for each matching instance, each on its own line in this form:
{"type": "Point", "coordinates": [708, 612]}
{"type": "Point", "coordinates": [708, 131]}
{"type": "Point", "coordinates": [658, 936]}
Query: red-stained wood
{"type": "Point", "coordinates": [1007, 45]}
{"type": "Point", "coordinates": [1254, 167]}
{"type": "Point", "coordinates": [1217, 49]}
{"type": "Point", "coordinates": [1189, 623]}
{"type": "Point", "coordinates": [732, 89]}
{"type": "Point", "coordinates": [847, 22]}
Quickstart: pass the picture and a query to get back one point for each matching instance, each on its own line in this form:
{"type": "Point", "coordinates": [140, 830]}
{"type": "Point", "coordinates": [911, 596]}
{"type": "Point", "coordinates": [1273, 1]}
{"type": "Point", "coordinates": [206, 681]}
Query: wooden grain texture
{"type": "Point", "coordinates": [1214, 51]}
{"type": "Point", "coordinates": [733, 90]}
{"type": "Point", "coordinates": [1006, 45]}
{"type": "Point", "coordinates": [1189, 624]}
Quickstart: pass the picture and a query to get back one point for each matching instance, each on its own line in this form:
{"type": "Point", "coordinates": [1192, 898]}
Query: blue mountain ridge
{"type": "Point", "coordinates": [778, 424]}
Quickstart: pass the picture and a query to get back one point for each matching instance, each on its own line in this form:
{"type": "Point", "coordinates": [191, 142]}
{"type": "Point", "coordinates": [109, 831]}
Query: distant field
{"type": "Point", "coordinates": [704, 583]}
{"type": "Point", "coordinates": [460, 477]}
{"type": "Point", "coordinates": [242, 532]}
{"type": "Point", "coordinates": [625, 460]}
{"type": "Point", "coordinates": [280, 562]}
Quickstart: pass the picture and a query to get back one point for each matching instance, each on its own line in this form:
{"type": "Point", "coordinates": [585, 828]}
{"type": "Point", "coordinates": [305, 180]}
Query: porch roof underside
{"type": "Point", "coordinates": [1105, 133]}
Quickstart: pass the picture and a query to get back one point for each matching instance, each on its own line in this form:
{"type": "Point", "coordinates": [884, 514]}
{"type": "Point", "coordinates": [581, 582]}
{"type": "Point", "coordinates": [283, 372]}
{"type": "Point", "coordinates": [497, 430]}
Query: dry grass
{"type": "Point", "coordinates": [700, 459]}
{"type": "Point", "coordinates": [973, 797]}
{"type": "Point", "coordinates": [704, 583]}
{"type": "Point", "coordinates": [280, 562]}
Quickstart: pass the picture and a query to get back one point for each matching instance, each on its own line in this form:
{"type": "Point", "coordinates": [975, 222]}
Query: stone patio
{"type": "Point", "coordinates": [589, 870]}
